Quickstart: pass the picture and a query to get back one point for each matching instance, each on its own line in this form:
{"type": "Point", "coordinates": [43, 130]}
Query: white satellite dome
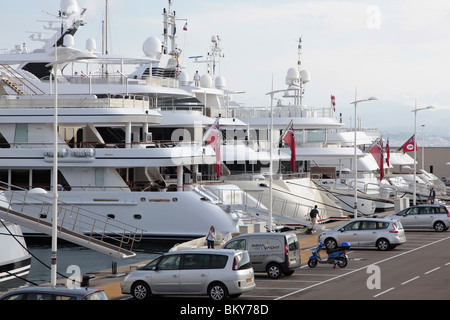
{"type": "Point", "coordinates": [220, 82]}
{"type": "Point", "coordinates": [206, 81]}
{"type": "Point", "coordinates": [38, 191]}
{"type": "Point", "coordinates": [91, 45]}
{"type": "Point", "coordinates": [292, 76]}
{"type": "Point", "coordinates": [68, 41]}
{"type": "Point", "coordinates": [152, 46]}
{"type": "Point", "coordinates": [306, 77]}
{"type": "Point", "coordinates": [184, 78]}
{"type": "Point", "coordinates": [69, 7]}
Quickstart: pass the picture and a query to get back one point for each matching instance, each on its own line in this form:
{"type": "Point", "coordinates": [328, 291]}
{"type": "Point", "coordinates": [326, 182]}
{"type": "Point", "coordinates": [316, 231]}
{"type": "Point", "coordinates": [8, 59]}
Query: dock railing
{"type": "Point", "coordinates": [84, 227]}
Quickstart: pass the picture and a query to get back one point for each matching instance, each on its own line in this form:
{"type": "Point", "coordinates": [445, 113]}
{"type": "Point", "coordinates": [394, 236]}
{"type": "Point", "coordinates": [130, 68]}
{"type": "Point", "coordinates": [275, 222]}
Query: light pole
{"type": "Point", "coordinates": [423, 146]}
{"type": "Point", "coordinates": [415, 110]}
{"type": "Point", "coordinates": [355, 165]}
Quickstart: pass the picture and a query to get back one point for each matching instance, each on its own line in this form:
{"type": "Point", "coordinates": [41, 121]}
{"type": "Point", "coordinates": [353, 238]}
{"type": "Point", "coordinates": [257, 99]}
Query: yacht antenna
{"type": "Point", "coordinates": [170, 29]}
{"type": "Point", "coordinates": [299, 65]}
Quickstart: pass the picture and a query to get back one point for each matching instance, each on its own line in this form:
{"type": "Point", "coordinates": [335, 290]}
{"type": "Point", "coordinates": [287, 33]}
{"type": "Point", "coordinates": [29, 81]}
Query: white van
{"type": "Point", "coordinates": [274, 253]}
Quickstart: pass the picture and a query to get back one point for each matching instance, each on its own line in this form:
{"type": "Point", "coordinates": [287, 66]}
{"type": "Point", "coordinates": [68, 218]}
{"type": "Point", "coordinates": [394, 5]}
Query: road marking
{"type": "Point", "coordinates": [362, 268]}
{"type": "Point", "coordinates": [415, 278]}
{"type": "Point", "coordinates": [432, 270]}
{"type": "Point", "coordinates": [385, 291]}
{"type": "Point", "coordinates": [447, 263]}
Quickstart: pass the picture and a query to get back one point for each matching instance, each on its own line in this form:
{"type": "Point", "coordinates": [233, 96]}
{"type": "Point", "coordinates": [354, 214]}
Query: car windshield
{"type": "Point", "coordinates": [398, 225]}
{"type": "Point", "coordinates": [98, 295]}
{"type": "Point", "coordinates": [243, 261]}
{"type": "Point", "coordinates": [292, 242]}
{"type": "Point", "coordinates": [151, 265]}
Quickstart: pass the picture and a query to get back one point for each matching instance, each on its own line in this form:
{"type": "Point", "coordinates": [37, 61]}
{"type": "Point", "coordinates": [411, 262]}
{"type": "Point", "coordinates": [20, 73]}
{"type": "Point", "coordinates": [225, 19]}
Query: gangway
{"type": "Point", "coordinates": [76, 225]}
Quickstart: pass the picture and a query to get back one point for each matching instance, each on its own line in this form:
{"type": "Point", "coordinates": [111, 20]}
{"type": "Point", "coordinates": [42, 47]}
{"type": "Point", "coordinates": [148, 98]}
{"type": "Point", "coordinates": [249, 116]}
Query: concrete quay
{"type": "Point", "coordinates": [111, 283]}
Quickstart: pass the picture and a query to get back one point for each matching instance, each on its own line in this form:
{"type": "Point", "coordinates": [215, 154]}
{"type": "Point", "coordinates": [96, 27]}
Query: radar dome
{"type": "Point", "coordinates": [151, 46]}
{"type": "Point", "coordinates": [91, 45]}
{"type": "Point", "coordinates": [220, 82]}
{"type": "Point", "coordinates": [206, 81]}
{"type": "Point", "coordinates": [184, 78]}
{"type": "Point", "coordinates": [306, 77]}
{"type": "Point", "coordinates": [292, 76]}
{"type": "Point", "coordinates": [68, 7]}
{"type": "Point", "coordinates": [68, 41]}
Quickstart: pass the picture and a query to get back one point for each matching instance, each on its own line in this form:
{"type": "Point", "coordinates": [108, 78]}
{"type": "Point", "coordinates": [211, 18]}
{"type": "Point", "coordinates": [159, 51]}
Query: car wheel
{"type": "Point", "coordinates": [330, 243]}
{"type": "Point", "coordinates": [383, 244]}
{"type": "Point", "coordinates": [217, 291]}
{"type": "Point", "coordinates": [273, 270]}
{"type": "Point", "coordinates": [141, 291]}
{"type": "Point", "coordinates": [439, 226]}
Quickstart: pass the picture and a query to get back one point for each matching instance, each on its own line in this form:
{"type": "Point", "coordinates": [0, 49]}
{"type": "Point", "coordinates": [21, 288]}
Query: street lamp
{"type": "Point", "coordinates": [355, 206]}
{"type": "Point", "coordinates": [415, 110]}
{"type": "Point", "coordinates": [423, 147]}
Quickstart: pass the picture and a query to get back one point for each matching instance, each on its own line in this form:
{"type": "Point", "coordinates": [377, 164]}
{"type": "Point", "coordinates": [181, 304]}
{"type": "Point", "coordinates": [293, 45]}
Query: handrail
{"type": "Point", "coordinates": [73, 218]}
{"type": "Point", "coordinates": [17, 76]}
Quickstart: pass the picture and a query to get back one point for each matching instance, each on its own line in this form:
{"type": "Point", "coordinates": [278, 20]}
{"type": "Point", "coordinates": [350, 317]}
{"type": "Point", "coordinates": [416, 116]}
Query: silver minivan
{"type": "Point", "coordinates": [274, 253]}
{"type": "Point", "coordinates": [366, 232]}
{"type": "Point", "coordinates": [217, 273]}
{"type": "Point", "coordinates": [430, 216]}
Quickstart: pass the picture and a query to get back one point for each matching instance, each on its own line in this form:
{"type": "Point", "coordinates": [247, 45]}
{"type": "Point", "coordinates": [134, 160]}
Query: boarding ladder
{"type": "Point", "coordinates": [16, 82]}
{"type": "Point", "coordinates": [76, 225]}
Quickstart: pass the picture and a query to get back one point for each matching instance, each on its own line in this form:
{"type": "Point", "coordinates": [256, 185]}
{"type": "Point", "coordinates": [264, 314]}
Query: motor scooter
{"type": "Point", "coordinates": [336, 256]}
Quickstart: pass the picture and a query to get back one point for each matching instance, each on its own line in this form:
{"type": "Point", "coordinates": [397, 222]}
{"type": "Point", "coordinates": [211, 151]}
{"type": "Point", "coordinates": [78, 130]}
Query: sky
{"type": "Point", "coordinates": [396, 51]}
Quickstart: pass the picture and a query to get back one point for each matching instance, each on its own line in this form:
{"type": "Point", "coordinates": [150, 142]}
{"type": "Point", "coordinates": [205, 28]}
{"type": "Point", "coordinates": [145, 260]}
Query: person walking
{"type": "Point", "coordinates": [211, 237]}
{"type": "Point", "coordinates": [432, 196]}
{"type": "Point", "coordinates": [313, 215]}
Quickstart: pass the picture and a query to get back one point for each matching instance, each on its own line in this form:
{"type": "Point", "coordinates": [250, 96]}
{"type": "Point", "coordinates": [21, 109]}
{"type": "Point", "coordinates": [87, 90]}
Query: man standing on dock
{"type": "Point", "coordinates": [313, 215]}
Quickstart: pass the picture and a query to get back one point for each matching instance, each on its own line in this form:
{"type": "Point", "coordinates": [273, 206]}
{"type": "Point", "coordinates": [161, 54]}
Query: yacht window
{"type": "Point", "coordinates": [3, 142]}
{"type": "Point", "coordinates": [315, 135]}
{"type": "Point", "coordinates": [21, 134]}
{"type": "Point", "coordinates": [99, 177]}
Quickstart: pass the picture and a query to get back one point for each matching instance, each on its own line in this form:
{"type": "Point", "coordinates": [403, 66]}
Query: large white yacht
{"type": "Point", "coordinates": [109, 162]}
{"type": "Point", "coordinates": [317, 145]}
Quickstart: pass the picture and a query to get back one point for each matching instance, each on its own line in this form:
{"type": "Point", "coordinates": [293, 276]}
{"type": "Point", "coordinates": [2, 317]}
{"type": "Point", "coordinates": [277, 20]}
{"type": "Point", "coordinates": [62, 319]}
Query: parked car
{"type": "Point", "coordinates": [54, 293]}
{"type": "Point", "coordinates": [217, 273]}
{"type": "Point", "coordinates": [433, 216]}
{"type": "Point", "coordinates": [366, 232]}
{"type": "Point", "coordinates": [274, 253]}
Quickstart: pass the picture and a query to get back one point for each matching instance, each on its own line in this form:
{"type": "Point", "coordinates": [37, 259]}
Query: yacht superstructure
{"type": "Point", "coordinates": [109, 162]}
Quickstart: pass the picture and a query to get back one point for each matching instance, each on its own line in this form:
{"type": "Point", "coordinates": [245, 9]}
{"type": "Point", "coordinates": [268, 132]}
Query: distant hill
{"type": "Point", "coordinates": [397, 138]}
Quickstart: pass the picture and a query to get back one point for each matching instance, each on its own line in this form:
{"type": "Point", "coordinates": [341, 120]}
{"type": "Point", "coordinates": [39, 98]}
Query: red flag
{"type": "Point", "coordinates": [289, 138]}
{"type": "Point", "coordinates": [388, 153]}
{"type": "Point", "coordinates": [409, 145]}
{"type": "Point", "coordinates": [377, 153]}
{"type": "Point", "coordinates": [185, 27]}
{"type": "Point", "coordinates": [333, 102]}
{"type": "Point", "coordinates": [213, 137]}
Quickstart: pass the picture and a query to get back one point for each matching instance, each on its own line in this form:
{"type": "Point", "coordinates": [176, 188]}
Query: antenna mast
{"type": "Point", "coordinates": [299, 97]}
{"type": "Point", "coordinates": [170, 29]}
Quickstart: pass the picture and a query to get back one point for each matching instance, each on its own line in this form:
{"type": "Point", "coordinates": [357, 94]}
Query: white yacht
{"type": "Point", "coordinates": [15, 260]}
{"type": "Point", "coordinates": [109, 162]}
